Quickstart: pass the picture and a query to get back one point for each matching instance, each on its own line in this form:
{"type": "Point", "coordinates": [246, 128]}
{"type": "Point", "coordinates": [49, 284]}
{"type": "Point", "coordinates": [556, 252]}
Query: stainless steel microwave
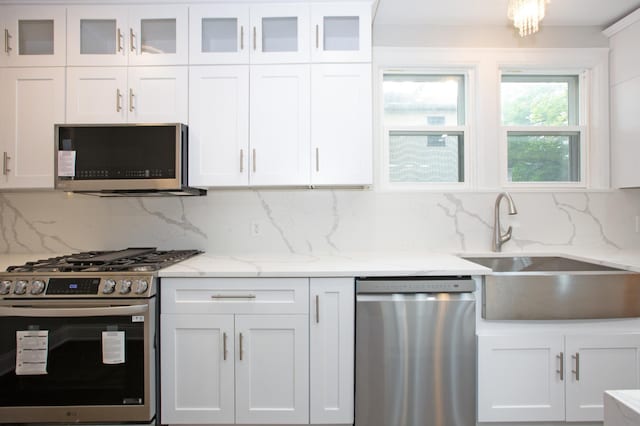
{"type": "Point", "coordinates": [123, 159]}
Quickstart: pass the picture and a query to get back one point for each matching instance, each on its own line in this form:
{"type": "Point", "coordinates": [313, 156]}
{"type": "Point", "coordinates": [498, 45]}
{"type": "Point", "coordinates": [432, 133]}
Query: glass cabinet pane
{"type": "Point", "coordinates": [35, 37]}
{"type": "Point", "coordinates": [158, 35]}
{"type": "Point", "coordinates": [341, 33]}
{"type": "Point", "coordinates": [219, 34]}
{"type": "Point", "coordinates": [280, 34]}
{"type": "Point", "coordinates": [97, 36]}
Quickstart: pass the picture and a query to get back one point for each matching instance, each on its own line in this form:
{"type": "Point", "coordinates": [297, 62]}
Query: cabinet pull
{"type": "Point", "coordinates": [254, 38]}
{"type": "Point", "coordinates": [118, 100]}
{"type": "Point", "coordinates": [242, 161]}
{"type": "Point", "coordinates": [233, 296]}
{"type": "Point", "coordinates": [254, 161]}
{"type": "Point", "coordinates": [120, 40]}
{"type": "Point", "coordinates": [241, 37]}
{"type": "Point", "coordinates": [224, 346]}
{"type": "Point", "coordinates": [7, 46]}
{"type": "Point", "coordinates": [577, 370]}
{"type": "Point", "coordinates": [317, 159]}
{"type": "Point", "coordinates": [131, 96]}
{"type": "Point", "coordinates": [317, 36]}
{"type": "Point", "coordinates": [317, 308]}
{"type": "Point", "coordinates": [241, 348]}
{"type": "Point", "coordinates": [132, 37]}
{"type": "Point", "coordinates": [5, 163]}
{"type": "Point", "coordinates": [561, 371]}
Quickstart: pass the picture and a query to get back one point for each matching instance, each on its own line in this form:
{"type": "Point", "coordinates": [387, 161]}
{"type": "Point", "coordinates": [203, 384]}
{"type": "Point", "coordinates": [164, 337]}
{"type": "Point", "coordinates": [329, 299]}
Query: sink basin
{"type": "Point", "coordinates": [556, 288]}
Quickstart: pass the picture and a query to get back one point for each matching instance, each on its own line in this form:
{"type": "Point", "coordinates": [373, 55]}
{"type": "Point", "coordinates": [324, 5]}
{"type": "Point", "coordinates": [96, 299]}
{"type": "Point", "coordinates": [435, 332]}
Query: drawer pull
{"type": "Point", "coordinates": [241, 347]}
{"type": "Point", "coordinates": [224, 346]}
{"type": "Point", "coordinates": [317, 309]}
{"type": "Point", "coordinates": [561, 371]}
{"type": "Point", "coordinates": [233, 296]}
{"type": "Point", "coordinates": [577, 370]}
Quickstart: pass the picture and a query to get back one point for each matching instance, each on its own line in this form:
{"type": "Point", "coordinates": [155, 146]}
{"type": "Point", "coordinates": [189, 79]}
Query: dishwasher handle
{"type": "Point", "coordinates": [412, 285]}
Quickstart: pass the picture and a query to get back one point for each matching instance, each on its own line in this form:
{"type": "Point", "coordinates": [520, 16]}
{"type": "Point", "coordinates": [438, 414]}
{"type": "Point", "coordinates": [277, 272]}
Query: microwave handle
{"type": "Point", "coordinates": [31, 311]}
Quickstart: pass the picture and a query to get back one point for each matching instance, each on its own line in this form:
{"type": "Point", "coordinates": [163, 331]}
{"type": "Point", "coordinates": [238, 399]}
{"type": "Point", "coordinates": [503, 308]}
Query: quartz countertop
{"type": "Point", "coordinates": [622, 407]}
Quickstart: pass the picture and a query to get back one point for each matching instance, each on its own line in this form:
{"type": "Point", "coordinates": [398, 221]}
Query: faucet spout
{"type": "Point", "coordinates": [498, 238]}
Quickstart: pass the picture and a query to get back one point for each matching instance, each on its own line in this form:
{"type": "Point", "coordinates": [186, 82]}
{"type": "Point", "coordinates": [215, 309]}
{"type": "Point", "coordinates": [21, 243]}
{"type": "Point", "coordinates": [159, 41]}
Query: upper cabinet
{"type": "Point", "coordinates": [219, 34]}
{"type": "Point", "coordinates": [33, 35]}
{"type": "Point", "coordinates": [120, 35]}
{"type": "Point", "coordinates": [341, 32]}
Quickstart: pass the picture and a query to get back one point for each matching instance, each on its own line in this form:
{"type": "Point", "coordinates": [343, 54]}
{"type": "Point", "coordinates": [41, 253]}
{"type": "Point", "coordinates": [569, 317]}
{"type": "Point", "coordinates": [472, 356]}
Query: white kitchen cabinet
{"type": "Point", "coordinates": [219, 34]}
{"type": "Point", "coordinates": [279, 33]}
{"type": "Point", "coordinates": [33, 35]}
{"type": "Point", "coordinates": [280, 125]}
{"type": "Point", "coordinates": [331, 350]}
{"type": "Point", "coordinates": [120, 35]}
{"type": "Point", "coordinates": [32, 102]}
{"type": "Point", "coordinates": [341, 32]}
{"type": "Point", "coordinates": [341, 124]}
{"type": "Point", "coordinates": [127, 94]}
{"type": "Point", "coordinates": [533, 377]}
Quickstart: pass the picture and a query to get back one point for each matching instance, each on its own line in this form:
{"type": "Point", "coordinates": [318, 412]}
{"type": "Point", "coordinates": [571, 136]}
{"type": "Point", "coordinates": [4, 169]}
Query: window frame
{"type": "Point", "coordinates": [580, 128]}
{"type": "Point", "coordinates": [467, 101]}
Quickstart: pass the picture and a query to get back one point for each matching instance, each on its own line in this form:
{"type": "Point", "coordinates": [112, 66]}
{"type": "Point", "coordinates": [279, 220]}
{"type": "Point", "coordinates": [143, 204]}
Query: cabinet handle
{"type": "Point", "coordinates": [120, 40]}
{"type": "Point", "coordinates": [241, 37]}
{"type": "Point", "coordinates": [317, 36]}
{"type": "Point", "coordinates": [132, 37]}
{"type": "Point", "coordinates": [5, 163]}
{"type": "Point", "coordinates": [254, 161]}
{"type": "Point", "coordinates": [241, 160]}
{"type": "Point", "coordinates": [233, 296]}
{"type": "Point", "coordinates": [241, 348]}
{"type": "Point", "coordinates": [7, 46]}
{"type": "Point", "coordinates": [224, 346]}
{"type": "Point", "coordinates": [118, 100]}
{"type": "Point", "coordinates": [254, 38]}
{"type": "Point", "coordinates": [317, 308]}
{"type": "Point", "coordinates": [131, 96]}
{"type": "Point", "coordinates": [561, 371]}
{"type": "Point", "coordinates": [317, 159]}
{"type": "Point", "coordinates": [577, 370]}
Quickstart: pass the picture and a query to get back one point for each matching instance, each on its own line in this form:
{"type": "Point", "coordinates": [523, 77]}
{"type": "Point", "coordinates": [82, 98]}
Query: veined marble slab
{"type": "Point", "coordinates": [622, 407]}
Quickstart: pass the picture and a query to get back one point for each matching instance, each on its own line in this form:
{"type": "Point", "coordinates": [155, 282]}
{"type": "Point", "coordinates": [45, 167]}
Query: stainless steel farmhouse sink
{"type": "Point", "coordinates": [553, 287]}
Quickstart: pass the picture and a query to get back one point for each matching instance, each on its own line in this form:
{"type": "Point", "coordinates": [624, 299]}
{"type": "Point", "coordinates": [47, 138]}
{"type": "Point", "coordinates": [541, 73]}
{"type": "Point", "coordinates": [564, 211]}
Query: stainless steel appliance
{"type": "Point", "coordinates": [78, 341]}
{"type": "Point", "coordinates": [123, 159]}
{"type": "Point", "coordinates": [415, 352]}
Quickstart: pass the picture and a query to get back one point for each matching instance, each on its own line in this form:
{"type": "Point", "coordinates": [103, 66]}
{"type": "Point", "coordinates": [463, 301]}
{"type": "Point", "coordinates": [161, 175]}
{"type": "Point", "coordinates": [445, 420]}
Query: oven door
{"type": "Point", "coordinates": [77, 362]}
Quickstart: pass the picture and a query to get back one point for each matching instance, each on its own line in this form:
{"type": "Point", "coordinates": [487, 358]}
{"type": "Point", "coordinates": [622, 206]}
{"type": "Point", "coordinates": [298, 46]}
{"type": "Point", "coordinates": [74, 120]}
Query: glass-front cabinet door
{"type": "Point", "coordinates": [279, 33]}
{"type": "Point", "coordinates": [341, 32]}
{"type": "Point", "coordinates": [33, 35]}
{"type": "Point", "coordinates": [158, 35]}
{"type": "Point", "coordinates": [97, 35]}
{"type": "Point", "coordinates": [219, 34]}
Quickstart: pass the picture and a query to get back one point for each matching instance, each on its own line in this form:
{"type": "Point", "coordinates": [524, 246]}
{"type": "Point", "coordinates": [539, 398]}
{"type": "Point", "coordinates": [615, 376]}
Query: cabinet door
{"type": "Point", "coordinates": [279, 33]}
{"type": "Point", "coordinates": [96, 95]}
{"type": "Point", "coordinates": [32, 102]}
{"type": "Point", "coordinates": [158, 95]}
{"type": "Point", "coordinates": [158, 35]}
{"type": "Point", "coordinates": [341, 32]}
{"type": "Point", "coordinates": [519, 378]}
{"type": "Point", "coordinates": [197, 377]}
{"type": "Point", "coordinates": [34, 35]}
{"type": "Point", "coordinates": [272, 369]}
{"type": "Point", "coordinates": [97, 35]}
{"type": "Point", "coordinates": [596, 364]}
{"type": "Point", "coordinates": [219, 34]}
{"type": "Point", "coordinates": [341, 135]}
{"type": "Point", "coordinates": [219, 125]}
{"type": "Point", "coordinates": [280, 125]}
{"type": "Point", "coordinates": [331, 350]}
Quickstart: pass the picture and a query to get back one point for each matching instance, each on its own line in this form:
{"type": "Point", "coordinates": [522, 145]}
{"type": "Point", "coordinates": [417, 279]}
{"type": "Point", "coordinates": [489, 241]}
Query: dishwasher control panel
{"type": "Point", "coordinates": [445, 284]}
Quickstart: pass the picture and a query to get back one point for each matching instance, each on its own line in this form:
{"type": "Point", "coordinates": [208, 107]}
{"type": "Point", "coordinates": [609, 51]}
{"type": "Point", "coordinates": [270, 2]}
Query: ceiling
{"type": "Point", "coordinates": [600, 13]}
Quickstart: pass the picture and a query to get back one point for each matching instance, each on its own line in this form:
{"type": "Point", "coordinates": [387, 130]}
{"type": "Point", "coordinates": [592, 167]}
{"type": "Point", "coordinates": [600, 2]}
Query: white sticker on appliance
{"type": "Point", "coordinates": [66, 163]}
{"type": "Point", "coordinates": [137, 318]}
{"type": "Point", "coordinates": [113, 347]}
{"type": "Point", "coordinates": [32, 347]}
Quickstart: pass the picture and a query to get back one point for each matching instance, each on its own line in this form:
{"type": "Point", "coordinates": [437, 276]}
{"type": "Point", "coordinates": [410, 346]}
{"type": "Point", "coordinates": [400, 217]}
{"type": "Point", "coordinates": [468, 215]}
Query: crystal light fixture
{"type": "Point", "coordinates": [526, 14]}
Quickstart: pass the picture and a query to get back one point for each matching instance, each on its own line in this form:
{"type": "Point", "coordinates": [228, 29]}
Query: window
{"type": "Point", "coordinates": [424, 122]}
{"type": "Point", "coordinates": [541, 119]}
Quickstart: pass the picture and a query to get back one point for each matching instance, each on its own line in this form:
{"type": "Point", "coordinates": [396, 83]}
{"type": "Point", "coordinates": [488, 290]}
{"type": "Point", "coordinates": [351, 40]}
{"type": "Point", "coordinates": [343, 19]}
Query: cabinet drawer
{"type": "Point", "coordinates": [235, 295]}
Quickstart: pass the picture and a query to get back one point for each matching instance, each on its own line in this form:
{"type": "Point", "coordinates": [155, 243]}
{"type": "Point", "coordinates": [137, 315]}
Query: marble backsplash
{"type": "Point", "coordinates": [317, 221]}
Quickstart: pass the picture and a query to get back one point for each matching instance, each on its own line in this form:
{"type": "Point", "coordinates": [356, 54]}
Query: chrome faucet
{"type": "Point", "coordinates": [498, 238]}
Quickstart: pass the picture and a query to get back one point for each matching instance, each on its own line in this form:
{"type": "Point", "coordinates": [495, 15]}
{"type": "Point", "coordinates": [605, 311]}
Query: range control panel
{"type": "Point", "coordinates": [113, 286]}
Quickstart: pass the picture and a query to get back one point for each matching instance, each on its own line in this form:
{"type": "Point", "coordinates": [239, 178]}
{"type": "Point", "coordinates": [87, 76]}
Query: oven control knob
{"type": "Point", "coordinates": [125, 286]}
{"type": "Point", "coordinates": [21, 287]}
{"type": "Point", "coordinates": [109, 286]}
{"type": "Point", "coordinates": [37, 287]}
{"type": "Point", "coordinates": [141, 286]}
{"type": "Point", "coordinates": [5, 287]}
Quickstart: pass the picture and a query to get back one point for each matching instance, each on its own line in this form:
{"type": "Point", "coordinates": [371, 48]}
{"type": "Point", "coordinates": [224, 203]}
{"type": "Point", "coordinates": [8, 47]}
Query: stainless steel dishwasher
{"type": "Point", "coordinates": [415, 351]}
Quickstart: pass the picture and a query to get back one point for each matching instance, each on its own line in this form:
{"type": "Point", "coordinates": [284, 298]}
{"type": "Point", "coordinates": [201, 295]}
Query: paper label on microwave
{"type": "Point", "coordinates": [67, 163]}
{"type": "Point", "coordinates": [32, 348]}
{"type": "Point", "coordinates": [113, 347]}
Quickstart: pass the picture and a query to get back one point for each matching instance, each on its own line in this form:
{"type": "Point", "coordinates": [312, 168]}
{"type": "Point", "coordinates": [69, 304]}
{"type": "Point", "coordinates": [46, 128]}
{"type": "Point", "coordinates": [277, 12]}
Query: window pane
{"type": "Point", "coordinates": [543, 157]}
{"type": "Point", "coordinates": [426, 157]}
{"type": "Point", "coordinates": [539, 100]}
{"type": "Point", "coordinates": [423, 100]}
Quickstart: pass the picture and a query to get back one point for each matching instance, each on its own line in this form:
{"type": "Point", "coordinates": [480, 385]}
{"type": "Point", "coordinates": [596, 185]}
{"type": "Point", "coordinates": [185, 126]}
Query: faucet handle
{"type": "Point", "coordinates": [507, 235]}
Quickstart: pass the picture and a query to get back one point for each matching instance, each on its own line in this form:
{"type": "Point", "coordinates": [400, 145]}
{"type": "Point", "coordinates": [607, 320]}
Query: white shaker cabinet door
{"type": "Point", "coordinates": [279, 33]}
{"type": "Point", "coordinates": [97, 35]}
{"type": "Point", "coordinates": [219, 34]}
{"type": "Point", "coordinates": [341, 124]}
{"type": "Point", "coordinates": [159, 35]}
{"type": "Point", "coordinates": [219, 125]}
{"type": "Point", "coordinates": [197, 369]}
{"type": "Point", "coordinates": [595, 364]}
{"type": "Point", "coordinates": [158, 94]}
{"type": "Point", "coordinates": [331, 350]}
{"type": "Point", "coordinates": [32, 102]}
{"type": "Point", "coordinates": [96, 95]}
{"type": "Point", "coordinates": [272, 369]}
{"type": "Point", "coordinates": [521, 378]}
{"type": "Point", "coordinates": [280, 125]}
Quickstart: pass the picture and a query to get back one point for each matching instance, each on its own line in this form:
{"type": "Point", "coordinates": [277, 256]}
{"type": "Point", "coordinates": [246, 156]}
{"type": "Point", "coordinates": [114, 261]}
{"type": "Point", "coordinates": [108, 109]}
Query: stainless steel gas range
{"type": "Point", "coordinates": [78, 337]}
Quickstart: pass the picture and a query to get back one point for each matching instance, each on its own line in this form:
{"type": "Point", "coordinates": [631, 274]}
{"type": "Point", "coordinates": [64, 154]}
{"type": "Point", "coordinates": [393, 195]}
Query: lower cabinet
{"type": "Point", "coordinates": [237, 351]}
{"type": "Point", "coordinates": [553, 377]}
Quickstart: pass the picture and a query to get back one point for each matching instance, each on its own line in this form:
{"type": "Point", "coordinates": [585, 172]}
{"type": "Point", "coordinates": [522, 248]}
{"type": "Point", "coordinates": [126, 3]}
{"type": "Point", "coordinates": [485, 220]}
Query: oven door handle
{"type": "Point", "coordinates": [32, 311]}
